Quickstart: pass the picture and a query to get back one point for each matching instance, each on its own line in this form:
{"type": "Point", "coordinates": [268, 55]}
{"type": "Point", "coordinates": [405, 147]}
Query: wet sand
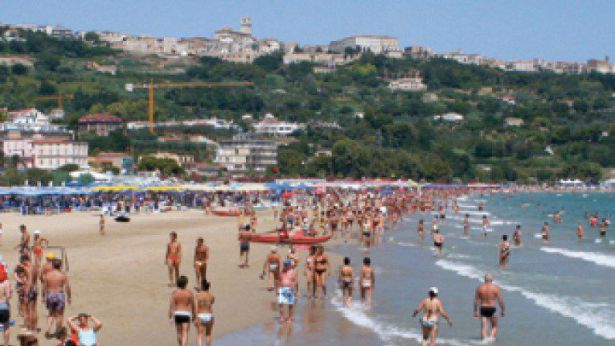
{"type": "Point", "coordinates": [121, 277]}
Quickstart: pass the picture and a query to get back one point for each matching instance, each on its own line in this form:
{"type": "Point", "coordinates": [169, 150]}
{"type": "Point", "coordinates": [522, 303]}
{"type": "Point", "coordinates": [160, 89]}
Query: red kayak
{"type": "Point", "coordinates": [298, 239]}
{"type": "Point", "coordinates": [230, 212]}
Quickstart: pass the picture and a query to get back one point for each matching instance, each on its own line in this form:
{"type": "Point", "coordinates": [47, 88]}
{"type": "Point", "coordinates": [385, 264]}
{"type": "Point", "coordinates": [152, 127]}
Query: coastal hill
{"type": "Point", "coordinates": [432, 119]}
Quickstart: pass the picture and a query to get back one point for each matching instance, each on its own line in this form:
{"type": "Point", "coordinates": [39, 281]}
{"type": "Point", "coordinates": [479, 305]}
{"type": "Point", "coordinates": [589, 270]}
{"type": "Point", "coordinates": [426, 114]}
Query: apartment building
{"type": "Point", "coordinates": [270, 126]}
{"type": "Point", "coordinates": [407, 84]}
{"type": "Point", "coordinates": [241, 156]}
{"type": "Point", "coordinates": [377, 44]}
{"type": "Point", "coordinates": [52, 153]}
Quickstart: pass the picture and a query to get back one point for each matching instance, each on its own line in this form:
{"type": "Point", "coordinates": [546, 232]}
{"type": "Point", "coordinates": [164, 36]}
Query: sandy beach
{"type": "Point", "coordinates": [121, 277]}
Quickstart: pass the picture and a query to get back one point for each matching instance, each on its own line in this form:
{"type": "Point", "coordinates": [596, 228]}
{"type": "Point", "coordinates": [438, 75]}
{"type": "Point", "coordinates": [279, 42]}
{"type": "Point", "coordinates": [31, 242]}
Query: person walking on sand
{"type": "Point", "coordinates": [346, 281]}
{"type": "Point", "coordinates": [24, 241]}
{"type": "Point", "coordinates": [201, 255]}
{"type": "Point", "coordinates": [431, 308]}
{"type": "Point", "coordinates": [271, 268]}
{"type": "Point", "coordinates": [487, 294]}
{"type": "Point", "coordinates": [322, 268]}
{"type": "Point", "coordinates": [101, 224]}
{"type": "Point", "coordinates": [367, 281]}
{"type": "Point", "coordinates": [56, 293]}
{"type": "Point", "coordinates": [5, 310]}
{"type": "Point", "coordinates": [244, 246]}
{"type": "Point", "coordinates": [173, 257]}
{"type": "Point", "coordinates": [309, 272]}
{"type": "Point", "coordinates": [504, 251]}
{"type": "Point", "coordinates": [204, 321]}
{"type": "Point", "coordinates": [182, 310]}
{"type": "Point", "coordinates": [286, 293]}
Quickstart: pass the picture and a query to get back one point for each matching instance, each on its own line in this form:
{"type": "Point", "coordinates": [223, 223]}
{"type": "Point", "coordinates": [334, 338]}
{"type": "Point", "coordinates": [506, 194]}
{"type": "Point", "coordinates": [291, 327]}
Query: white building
{"type": "Point", "coordinates": [407, 84]}
{"type": "Point", "coordinates": [377, 44]}
{"type": "Point", "coordinates": [463, 58]}
{"type": "Point", "coordinates": [449, 117]}
{"type": "Point", "coordinates": [522, 66]}
{"type": "Point", "coordinates": [242, 156]}
{"type": "Point", "coordinates": [270, 126]}
{"type": "Point", "coordinates": [52, 153]}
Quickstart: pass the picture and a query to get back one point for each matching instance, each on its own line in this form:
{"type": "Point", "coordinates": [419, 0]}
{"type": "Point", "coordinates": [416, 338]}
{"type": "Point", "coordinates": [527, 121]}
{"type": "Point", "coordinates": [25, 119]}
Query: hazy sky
{"type": "Point", "coordinates": [511, 29]}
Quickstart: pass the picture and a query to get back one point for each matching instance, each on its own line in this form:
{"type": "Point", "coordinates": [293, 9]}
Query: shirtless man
{"type": "Point", "coordinates": [438, 242]}
{"type": "Point", "coordinates": [544, 233]}
{"type": "Point", "coordinates": [346, 280]}
{"type": "Point", "coordinates": [56, 293]}
{"type": "Point", "coordinates": [603, 226]}
{"type": "Point", "coordinates": [485, 227]}
{"type": "Point", "coordinates": [271, 268]}
{"type": "Point", "coordinates": [5, 310]}
{"type": "Point", "coordinates": [504, 251]}
{"type": "Point", "coordinates": [557, 217]}
{"type": "Point", "coordinates": [487, 294]}
{"type": "Point", "coordinates": [466, 225]}
{"type": "Point", "coordinates": [101, 224]}
{"type": "Point", "coordinates": [432, 308]}
{"type": "Point", "coordinates": [182, 310]}
{"type": "Point", "coordinates": [244, 246]}
{"type": "Point", "coordinates": [172, 258]}
{"type": "Point", "coordinates": [24, 241]}
{"type": "Point", "coordinates": [26, 278]}
{"type": "Point", "coordinates": [517, 235]}
{"type": "Point", "coordinates": [286, 293]}
{"type": "Point", "coordinates": [420, 228]}
{"type": "Point", "coordinates": [201, 255]}
{"type": "Point", "coordinates": [580, 231]}
{"type": "Point", "coordinates": [204, 321]}
{"type": "Point", "coordinates": [367, 281]}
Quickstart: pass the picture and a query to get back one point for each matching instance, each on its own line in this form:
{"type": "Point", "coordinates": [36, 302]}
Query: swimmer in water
{"type": "Point", "coordinates": [545, 232]}
{"type": "Point", "coordinates": [504, 251]}
{"type": "Point", "coordinates": [466, 225]}
{"type": "Point", "coordinates": [438, 242]}
{"type": "Point", "coordinates": [580, 231]}
{"type": "Point", "coordinates": [432, 308]}
{"type": "Point", "coordinates": [485, 226]}
{"type": "Point", "coordinates": [517, 235]}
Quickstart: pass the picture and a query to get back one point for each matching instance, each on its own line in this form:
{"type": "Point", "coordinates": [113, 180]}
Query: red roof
{"type": "Point", "coordinates": [100, 118]}
{"type": "Point", "coordinates": [50, 140]}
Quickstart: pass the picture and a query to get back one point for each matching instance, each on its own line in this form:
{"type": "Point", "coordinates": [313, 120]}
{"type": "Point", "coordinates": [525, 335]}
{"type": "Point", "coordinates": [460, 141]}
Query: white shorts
{"type": "Point", "coordinates": [205, 317]}
{"type": "Point", "coordinates": [286, 296]}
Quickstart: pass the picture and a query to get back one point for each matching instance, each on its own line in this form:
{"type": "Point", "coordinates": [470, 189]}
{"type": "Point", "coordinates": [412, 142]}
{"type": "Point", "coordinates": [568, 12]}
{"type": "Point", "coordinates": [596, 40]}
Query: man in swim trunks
{"type": "Point", "coordinates": [580, 231]}
{"type": "Point", "coordinates": [487, 294]}
{"type": "Point", "coordinates": [346, 280]}
{"type": "Point", "coordinates": [271, 267]}
{"type": "Point", "coordinates": [182, 310]}
{"type": "Point", "coordinates": [26, 277]}
{"type": "Point", "coordinates": [517, 235]}
{"type": "Point", "coordinates": [420, 228]}
{"type": "Point", "coordinates": [504, 251]}
{"type": "Point", "coordinates": [544, 233]}
{"type": "Point", "coordinates": [432, 308]}
{"type": "Point", "coordinates": [5, 308]}
{"type": "Point", "coordinates": [367, 281]}
{"type": "Point", "coordinates": [438, 242]}
{"type": "Point", "coordinates": [173, 257]}
{"type": "Point", "coordinates": [244, 246]}
{"type": "Point", "coordinates": [286, 293]}
{"type": "Point", "coordinates": [24, 242]}
{"type": "Point", "coordinates": [201, 255]}
{"type": "Point", "coordinates": [603, 225]}
{"type": "Point", "coordinates": [204, 321]}
{"type": "Point", "coordinates": [56, 293]}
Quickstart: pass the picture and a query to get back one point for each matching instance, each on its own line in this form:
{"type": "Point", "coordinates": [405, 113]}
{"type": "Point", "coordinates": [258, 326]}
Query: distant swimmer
{"type": "Point", "coordinates": [201, 256]}
{"type": "Point", "coordinates": [603, 226]}
{"type": "Point", "coordinates": [580, 231]}
{"type": "Point", "coordinates": [487, 294]}
{"type": "Point", "coordinates": [485, 226]}
{"type": "Point", "coordinates": [182, 310]}
{"type": "Point", "coordinates": [517, 236]}
{"type": "Point", "coordinates": [367, 281]}
{"type": "Point", "coordinates": [481, 206]}
{"type": "Point", "coordinates": [346, 281]}
{"type": "Point", "coordinates": [504, 251]}
{"type": "Point", "coordinates": [438, 242]}
{"type": "Point", "coordinates": [544, 233]}
{"type": "Point", "coordinates": [286, 292]}
{"type": "Point", "coordinates": [420, 228]}
{"type": "Point", "coordinates": [173, 257]}
{"type": "Point", "coordinates": [557, 217]}
{"type": "Point", "coordinates": [431, 308]}
{"type": "Point", "coordinates": [593, 221]}
{"type": "Point", "coordinates": [466, 225]}
{"type": "Point", "coordinates": [271, 268]}
{"type": "Point", "coordinates": [204, 321]}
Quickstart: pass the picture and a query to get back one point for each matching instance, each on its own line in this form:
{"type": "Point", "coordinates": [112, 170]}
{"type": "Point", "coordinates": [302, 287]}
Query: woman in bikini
{"type": "Point", "coordinates": [321, 268]}
{"type": "Point", "coordinates": [367, 281]}
{"type": "Point", "coordinates": [310, 273]}
{"type": "Point", "coordinates": [432, 308]}
{"type": "Point", "coordinates": [204, 321]}
{"type": "Point", "coordinates": [346, 280]}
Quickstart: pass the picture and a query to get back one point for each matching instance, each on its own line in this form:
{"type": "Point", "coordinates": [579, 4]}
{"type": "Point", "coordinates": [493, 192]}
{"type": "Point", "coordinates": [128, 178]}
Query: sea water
{"type": "Point", "coordinates": [556, 293]}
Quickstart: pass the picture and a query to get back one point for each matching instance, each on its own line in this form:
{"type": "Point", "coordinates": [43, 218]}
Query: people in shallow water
{"type": "Point", "coordinates": [431, 308]}
{"type": "Point", "coordinates": [504, 251]}
{"type": "Point", "coordinates": [346, 281]}
{"type": "Point", "coordinates": [517, 235]}
{"type": "Point", "coordinates": [438, 242]}
{"type": "Point", "coordinates": [485, 299]}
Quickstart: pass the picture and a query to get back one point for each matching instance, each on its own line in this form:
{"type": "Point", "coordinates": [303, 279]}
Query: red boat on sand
{"type": "Point", "coordinates": [226, 212]}
{"type": "Point", "coordinates": [299, 239]}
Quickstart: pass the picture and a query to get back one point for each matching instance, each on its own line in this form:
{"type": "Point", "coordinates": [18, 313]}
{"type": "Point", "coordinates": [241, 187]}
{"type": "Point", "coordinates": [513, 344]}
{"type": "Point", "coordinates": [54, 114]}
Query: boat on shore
{"type": "Point", "coordinates": [299, 239]}
{"type": "Point", "coordinates": [226, 212]}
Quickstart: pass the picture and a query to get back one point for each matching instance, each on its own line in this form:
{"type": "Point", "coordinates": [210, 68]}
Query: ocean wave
{"type": "Point", "coordinates": [401, 243]}
{"type": "Point", "coordinates": [357, 314]}
{"type": "Point", "coordinates": [599, 317]}
{"type": "Point", "coordinates": [594, 257]}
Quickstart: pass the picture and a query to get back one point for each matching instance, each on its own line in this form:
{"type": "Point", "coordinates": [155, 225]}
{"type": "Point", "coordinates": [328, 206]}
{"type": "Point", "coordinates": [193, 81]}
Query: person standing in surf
{"type": "Point", "coordinates": [487, 294]}
{"type": "Point", "coordinates": [432, 308]}
{"type": "Point", "coordinates": [517, 236]}
{"type": "Point", "coordinates": [580, 231]}
{"type": "Point", "coordinates": [544, 233]}
{"type": "Point", "coordinates": [367, 281]}
{"type": "Point", "coordinates": [466, 225]}
{"type": "Point", "coordinates": [603, 225]}
{"type": "Point", "coordinates": [346, 280]}
{"type": "Point", "coordinates": [504, 251]}
{"type": "Point", "coordinates": [420, 228]}
{"type": "Point", "coordinates": [485, 227]}
{"type": "Point", "coordinates": [438, 242]}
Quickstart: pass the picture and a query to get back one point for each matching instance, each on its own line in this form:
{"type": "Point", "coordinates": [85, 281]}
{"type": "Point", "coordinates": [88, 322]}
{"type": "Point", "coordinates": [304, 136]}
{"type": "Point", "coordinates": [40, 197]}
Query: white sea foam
{"type": "Point", "coordinates": [594, 257]}
{"type": "Point", "coordinates": [357, 313]}
{"type": "Point", "coordinates": [599, 317]}
{"type": "Point", "coordinates": [404, 244]}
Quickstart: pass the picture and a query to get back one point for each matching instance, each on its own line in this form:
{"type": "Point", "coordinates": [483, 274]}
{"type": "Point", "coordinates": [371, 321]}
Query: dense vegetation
{"type": "Point", "coordinates": [568, 126]}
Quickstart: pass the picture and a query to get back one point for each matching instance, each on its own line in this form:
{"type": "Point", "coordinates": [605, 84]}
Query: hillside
{"type": "Point", "coordinates": [572, 116]}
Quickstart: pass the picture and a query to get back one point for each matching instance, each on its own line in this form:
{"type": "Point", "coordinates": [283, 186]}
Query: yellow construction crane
{"type": "Point", "coordinates": [59, 98]}
{"type": "Point", "coordinates": [177, 85]}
